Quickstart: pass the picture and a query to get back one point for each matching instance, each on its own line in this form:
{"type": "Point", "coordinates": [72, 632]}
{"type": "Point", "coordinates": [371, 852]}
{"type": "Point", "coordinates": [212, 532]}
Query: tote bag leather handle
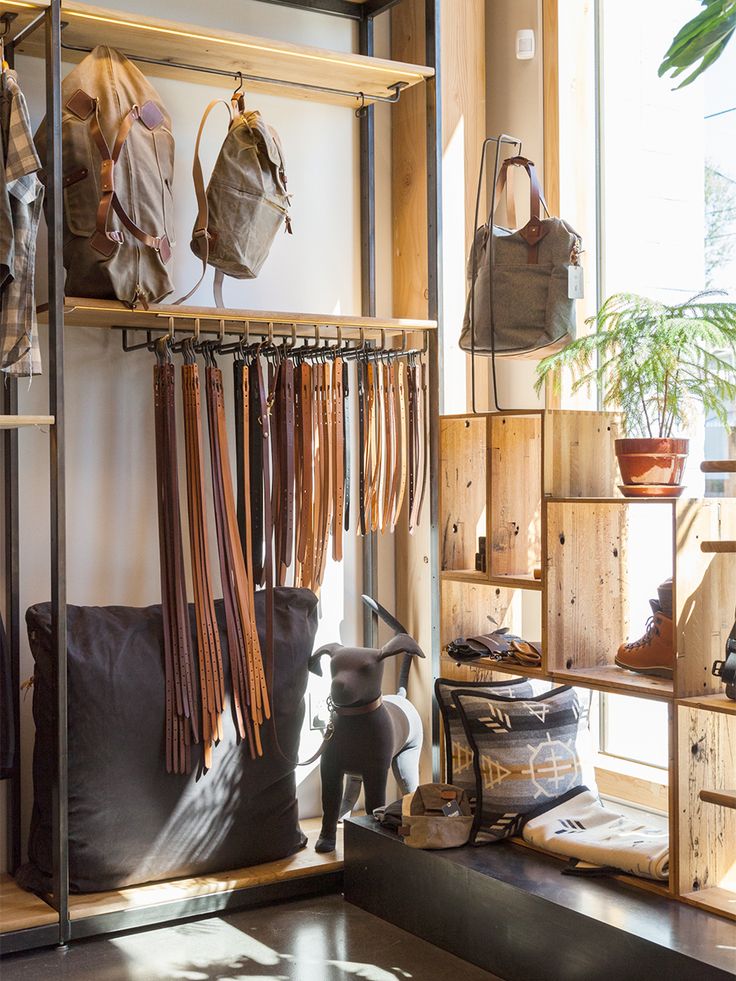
{"type": "Point", "coordinates": [505, 183]}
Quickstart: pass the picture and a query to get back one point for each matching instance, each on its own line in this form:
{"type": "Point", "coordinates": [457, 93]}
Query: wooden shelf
{"type": "Point", "coordinates": [17, 422]}
{"type": "Point", "coordinates": [303, 864]}
{"type": "Point", "coordinates": [188, 45]}
{"type": "Point", "coordinates": [465, 575]}
{"type": "Point", "coordinates": [81, 312]}
{"type": "Point", "coordinates": [483, 666]}
{"type": "Point", "coordinates": [714, 899]}
{"type": "Point", "coordinates": [712, 703]}
{"type": "Point", "coordinates": [20, 909]}
{"type": "Point", "coordinates": [516, 582]}
{"type": "Point", "coordinates": [610, 678]}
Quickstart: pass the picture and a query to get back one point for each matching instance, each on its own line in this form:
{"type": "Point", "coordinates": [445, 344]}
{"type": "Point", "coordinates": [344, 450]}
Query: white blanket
{"type": "Point", "coordinates": [579, 826]}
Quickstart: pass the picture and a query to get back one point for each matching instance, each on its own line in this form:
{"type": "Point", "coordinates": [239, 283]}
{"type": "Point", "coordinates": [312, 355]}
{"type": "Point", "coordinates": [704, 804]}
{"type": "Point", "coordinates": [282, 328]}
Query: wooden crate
{"type": "Point", "coordinates": [706, 763]}
{"type": "Point", "coordinates": [463, 491]}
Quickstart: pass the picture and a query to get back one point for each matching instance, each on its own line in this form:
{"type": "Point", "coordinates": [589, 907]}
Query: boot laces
{"type": "Point", "coordinates": [651, 629]}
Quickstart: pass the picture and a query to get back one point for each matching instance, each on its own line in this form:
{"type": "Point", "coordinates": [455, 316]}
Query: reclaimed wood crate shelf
{"type": "Point", "coordinates": [22, 910]}
{"type": "Point", "coordinates": [19, 422]}
{"type": "Point", "coordinates": [557, 506]}
{"type": "Point", "coordinates": [182, 45]}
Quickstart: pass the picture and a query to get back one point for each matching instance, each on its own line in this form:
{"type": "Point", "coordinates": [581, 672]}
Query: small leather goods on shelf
{"type": "Point", "coordinates": [499, 645]}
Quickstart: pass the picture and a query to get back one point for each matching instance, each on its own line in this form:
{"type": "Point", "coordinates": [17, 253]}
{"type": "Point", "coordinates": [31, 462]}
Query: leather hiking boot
{"type": "Point", "coordinates": [654, 653]}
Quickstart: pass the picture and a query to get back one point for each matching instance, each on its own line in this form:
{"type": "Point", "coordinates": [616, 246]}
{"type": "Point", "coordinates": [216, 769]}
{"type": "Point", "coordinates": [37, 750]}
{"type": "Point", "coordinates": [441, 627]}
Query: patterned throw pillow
{"type": "Point", "coordinates": [458, 752]}
{"type": "Point", "coordinates": [524, 754]}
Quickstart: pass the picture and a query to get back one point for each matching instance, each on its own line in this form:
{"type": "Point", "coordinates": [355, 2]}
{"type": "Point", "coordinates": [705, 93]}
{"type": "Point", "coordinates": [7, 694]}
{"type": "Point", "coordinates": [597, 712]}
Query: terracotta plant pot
{"type": "Point", "coordinates": [653, 462]}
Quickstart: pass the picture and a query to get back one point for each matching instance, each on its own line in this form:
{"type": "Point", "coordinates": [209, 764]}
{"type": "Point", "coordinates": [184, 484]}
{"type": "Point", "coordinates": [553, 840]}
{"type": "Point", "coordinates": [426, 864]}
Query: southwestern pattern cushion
{"type": "Point", "coordinates": [458, 752]}
{"type": "Point", "coordinates": [524, 754]}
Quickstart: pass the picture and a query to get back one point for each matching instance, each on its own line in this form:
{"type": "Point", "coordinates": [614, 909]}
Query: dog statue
{"type": "Point", "coordinates": [370, 731]}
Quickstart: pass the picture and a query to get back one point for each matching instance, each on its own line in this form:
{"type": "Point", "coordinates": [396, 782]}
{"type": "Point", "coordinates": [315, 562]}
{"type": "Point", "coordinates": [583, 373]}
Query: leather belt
{"type": "Point", "coordinates": [181, 713]}
{"type": "Point", "coordinates": [357, 709]}
{"type": "Point", "coordinates": [250, 695]}
{"type": "Point", "coordinates": [211, 678]}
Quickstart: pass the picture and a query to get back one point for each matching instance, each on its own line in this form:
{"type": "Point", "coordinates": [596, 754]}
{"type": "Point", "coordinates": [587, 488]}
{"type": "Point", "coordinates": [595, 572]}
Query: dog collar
{"type": "Point", "coordinates": [357, 709]}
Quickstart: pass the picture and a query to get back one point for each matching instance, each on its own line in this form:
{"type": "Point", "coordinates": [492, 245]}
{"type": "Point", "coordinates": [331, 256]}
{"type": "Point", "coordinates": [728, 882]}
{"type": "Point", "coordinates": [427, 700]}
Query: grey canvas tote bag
{"type": "Point", "coordinates": [521, 306]}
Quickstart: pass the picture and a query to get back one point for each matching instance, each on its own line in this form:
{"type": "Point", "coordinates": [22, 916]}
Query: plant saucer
{"type": "Point", "coordinates": [651, 490]}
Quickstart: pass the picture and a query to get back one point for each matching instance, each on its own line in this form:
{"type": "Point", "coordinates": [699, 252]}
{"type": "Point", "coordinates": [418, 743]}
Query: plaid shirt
{"type": "Point", "coordinates": [21, 200]}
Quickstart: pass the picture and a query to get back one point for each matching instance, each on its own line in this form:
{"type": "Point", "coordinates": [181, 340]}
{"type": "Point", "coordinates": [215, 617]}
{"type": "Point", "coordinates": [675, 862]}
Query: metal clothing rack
{"type": "Point", "coordinates": [63, 928]}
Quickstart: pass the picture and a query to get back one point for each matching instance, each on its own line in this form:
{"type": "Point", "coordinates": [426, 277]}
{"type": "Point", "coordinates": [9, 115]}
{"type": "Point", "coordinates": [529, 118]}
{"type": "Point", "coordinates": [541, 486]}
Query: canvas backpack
{"type": "Point", "coordinates": [118, 164]}
{"type": "Point", "coordinates": [245, 203]}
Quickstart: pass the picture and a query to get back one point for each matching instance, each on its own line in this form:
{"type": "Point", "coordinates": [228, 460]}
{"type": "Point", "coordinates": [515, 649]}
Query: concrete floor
{"type": "Point", "coordinates": [321, 939]}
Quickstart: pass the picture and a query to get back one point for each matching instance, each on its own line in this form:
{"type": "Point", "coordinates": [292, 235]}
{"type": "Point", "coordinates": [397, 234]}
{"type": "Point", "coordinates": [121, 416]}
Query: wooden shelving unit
{"type": "Point", "coordinates": [194, 54]}
{"type": "Point", "coordinates": [541, 489]}
{"type": "Point", "coordinates": [270, 65]}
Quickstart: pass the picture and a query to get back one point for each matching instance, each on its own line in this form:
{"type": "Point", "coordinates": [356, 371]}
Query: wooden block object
{"type": "Point", "coordinates": [463, 490]}
{"type": "Point", "coordinates": [705, 592]}
{"type": "Point", "coordinates": [707, 832]}
{"type": "Point", "coordinates": [586, 567]}
{"type": "Point", "coordinates": [579, 455]}
{"type": "Point", "coordinates": [516, 494]}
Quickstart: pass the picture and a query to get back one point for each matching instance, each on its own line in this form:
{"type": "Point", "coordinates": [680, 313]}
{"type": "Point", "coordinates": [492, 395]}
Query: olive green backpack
{"type": "Point", "coordinates": [245, 203]}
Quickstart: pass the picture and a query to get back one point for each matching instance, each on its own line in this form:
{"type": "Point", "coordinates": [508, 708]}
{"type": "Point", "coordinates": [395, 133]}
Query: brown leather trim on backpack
{"type": "Point", "coordinates": [201, 223]}
{"type": "Point", "coordinates": [81, 104]}
{"type": "Point", "coordinates": [109, 200]}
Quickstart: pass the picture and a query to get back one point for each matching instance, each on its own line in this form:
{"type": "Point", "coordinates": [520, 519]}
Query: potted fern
{"type": "Point", "coordinates": [653, 361]}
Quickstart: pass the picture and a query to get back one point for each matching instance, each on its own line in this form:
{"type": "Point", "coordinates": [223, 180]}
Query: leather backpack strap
{"type": "Point", "coordinates": [201, 222]}
{"type": "Point", "coordinates": [104, 240]}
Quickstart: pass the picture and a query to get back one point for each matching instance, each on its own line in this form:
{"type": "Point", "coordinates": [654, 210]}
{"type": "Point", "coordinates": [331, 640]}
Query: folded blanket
{"type": "Point", "coordinates": [577, 825]}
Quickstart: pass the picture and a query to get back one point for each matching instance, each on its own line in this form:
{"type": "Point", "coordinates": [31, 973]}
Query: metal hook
{"type": "Point", "coordinates": [195, 337]}
{"type": "Point", "coordinates": [221, 336]}
{"type": "Point", "coordinates": [362, 108]}
{"type": "Point", "coordinates": [170, 335]}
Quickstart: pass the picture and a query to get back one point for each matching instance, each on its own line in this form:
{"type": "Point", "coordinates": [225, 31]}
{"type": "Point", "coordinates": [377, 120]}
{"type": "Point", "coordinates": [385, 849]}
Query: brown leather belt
{"type": "Point", "coordinates": [250, 695]}
{"type": "Point", "coordinates": [211, 678]}
{"type": "Point", "coordinates": [181, 712]}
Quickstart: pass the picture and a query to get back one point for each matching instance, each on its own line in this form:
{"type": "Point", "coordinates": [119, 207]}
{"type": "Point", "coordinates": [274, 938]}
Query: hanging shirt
{"type": "Point", "coordinates": [21, 197]}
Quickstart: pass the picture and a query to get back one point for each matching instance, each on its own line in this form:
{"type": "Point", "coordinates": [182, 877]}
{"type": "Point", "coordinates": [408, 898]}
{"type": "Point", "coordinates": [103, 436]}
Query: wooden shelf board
{"type": "Point", "coordinates": [150, 37]}
{"type": "Point", "coordinates": [503, 667]}
{"type": "Point", "coordinates": [303, 864]}
{"type": "Point", "coordinates": [465, 575]}
{"type": "Point", "coordinates": [21, 910]}
{"type": "Point", "coordinates": [17, 422]}
{"type": "Point", "coordinates": [617, 500]}
{"type": "Point", "coordinates": [714, 898]}
{"type": "Point", "coordinates": [516, 582]}
{"type": "Point", "coordinates": [608, 677]}
{"type": "Point", "coordinates": [482, 578]}
{"type": "Point", "coordinates": [711, 703]}
{"type": "Point", "coordinates": [82, 312]}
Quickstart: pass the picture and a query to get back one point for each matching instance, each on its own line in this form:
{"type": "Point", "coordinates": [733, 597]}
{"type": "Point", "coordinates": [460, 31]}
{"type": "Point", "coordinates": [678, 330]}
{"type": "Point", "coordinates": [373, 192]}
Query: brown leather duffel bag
{"type": "Point", "coordinates": [118, 160]}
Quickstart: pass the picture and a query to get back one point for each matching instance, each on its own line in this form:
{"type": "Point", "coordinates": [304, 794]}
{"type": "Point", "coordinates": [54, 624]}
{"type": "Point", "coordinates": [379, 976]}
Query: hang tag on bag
{"type": "Point", "coordinates": [451, 809]}
{"type": "Point", "coordinates": [575, 282]}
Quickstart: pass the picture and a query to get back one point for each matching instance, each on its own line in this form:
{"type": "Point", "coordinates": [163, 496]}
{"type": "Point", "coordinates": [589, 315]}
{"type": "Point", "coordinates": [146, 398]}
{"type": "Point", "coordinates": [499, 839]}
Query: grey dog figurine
{"type": "Point", "coordinates": [370, 731]}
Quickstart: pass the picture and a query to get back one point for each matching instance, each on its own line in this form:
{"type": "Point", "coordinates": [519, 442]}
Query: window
{"type": "Point", "coordinates": [648, 177]}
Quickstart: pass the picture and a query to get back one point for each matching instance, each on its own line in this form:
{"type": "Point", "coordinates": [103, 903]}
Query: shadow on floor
{"type": "Point", "coordinates": [321, 939]}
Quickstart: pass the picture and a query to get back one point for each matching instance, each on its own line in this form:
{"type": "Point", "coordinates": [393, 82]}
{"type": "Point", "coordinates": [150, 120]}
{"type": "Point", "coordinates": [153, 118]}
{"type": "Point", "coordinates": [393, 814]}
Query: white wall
{"type": "Point", "coordinates": [111, 511]}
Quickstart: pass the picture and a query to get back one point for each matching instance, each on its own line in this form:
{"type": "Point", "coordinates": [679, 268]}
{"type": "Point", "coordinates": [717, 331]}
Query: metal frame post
{"type": "Point", "coordinates": [54, 219]}
{"type": "Point", "coordinates": [434, 300]}
{"type": "Point", "coordinates": [368, 294]}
